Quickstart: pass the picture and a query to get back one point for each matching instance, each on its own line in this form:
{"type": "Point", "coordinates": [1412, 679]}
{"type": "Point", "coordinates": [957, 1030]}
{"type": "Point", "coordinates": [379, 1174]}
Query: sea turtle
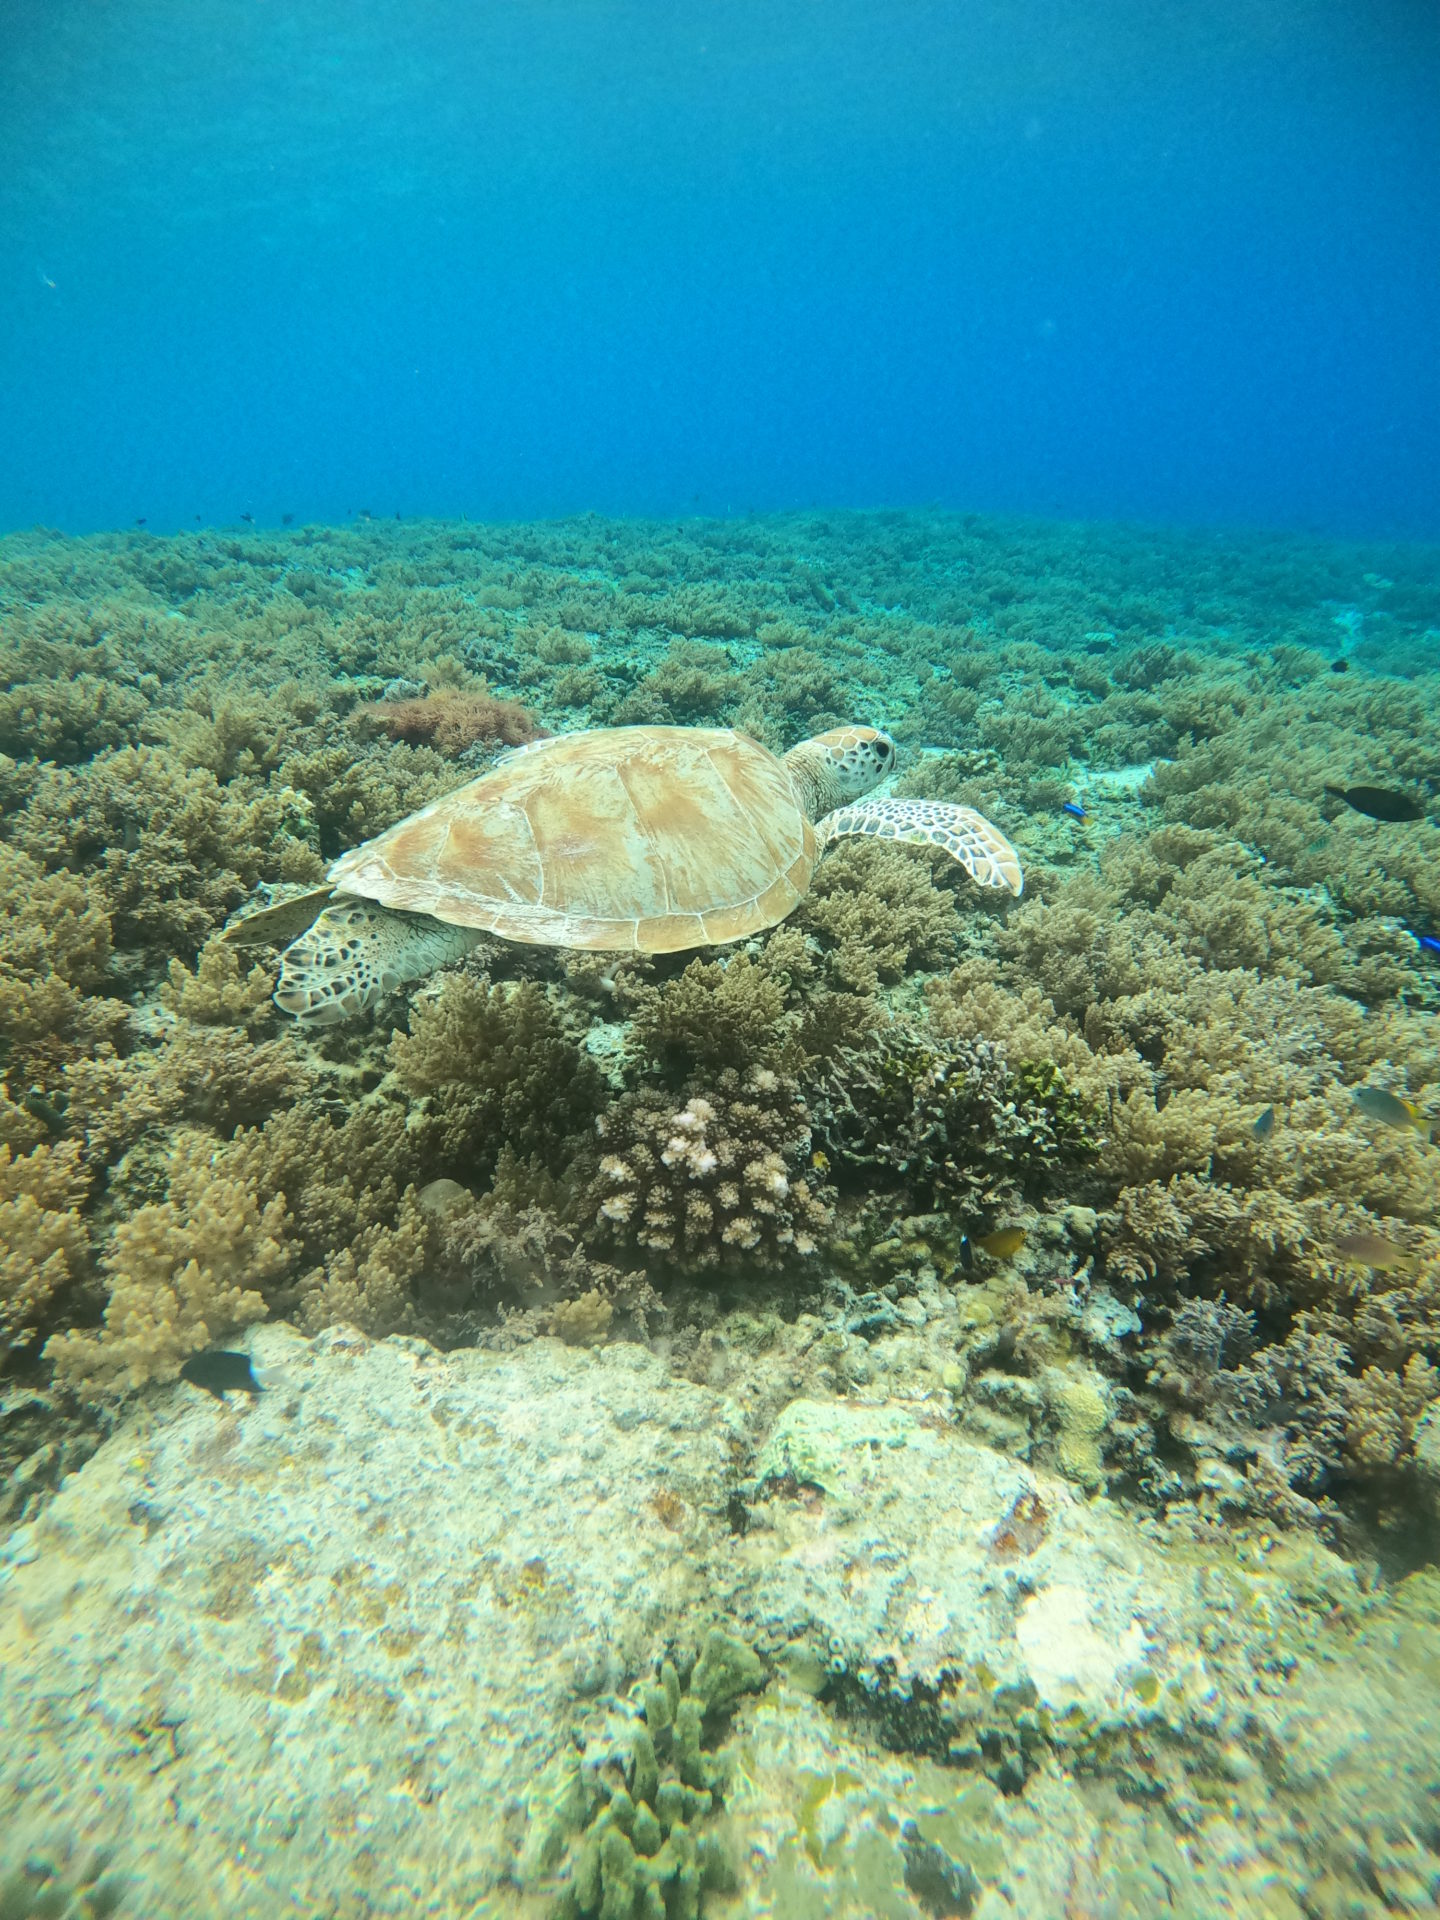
{"type": "Point", "coordinates": [636, 839]}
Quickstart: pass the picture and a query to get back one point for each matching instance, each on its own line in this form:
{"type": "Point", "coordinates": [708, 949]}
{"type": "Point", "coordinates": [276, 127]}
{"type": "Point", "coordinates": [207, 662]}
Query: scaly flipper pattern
{"type": "Point", "coordinates": [984, 852]}
{"type": "Point", "coordinates": [355, 953]}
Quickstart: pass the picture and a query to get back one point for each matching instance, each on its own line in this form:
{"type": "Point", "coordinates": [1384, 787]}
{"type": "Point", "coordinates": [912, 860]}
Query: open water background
{"type": "Point", "coordinates": [1105, 259]}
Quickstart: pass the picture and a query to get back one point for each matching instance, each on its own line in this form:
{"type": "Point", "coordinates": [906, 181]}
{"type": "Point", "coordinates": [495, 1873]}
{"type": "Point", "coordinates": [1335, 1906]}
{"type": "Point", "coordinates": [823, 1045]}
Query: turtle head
{"type": "Point", "coordinates": [839, 766]}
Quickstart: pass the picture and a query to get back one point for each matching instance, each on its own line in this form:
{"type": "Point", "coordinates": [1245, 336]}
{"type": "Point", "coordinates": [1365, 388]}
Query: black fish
{"type": "Point", "coordinates": [967, 1253]}
{"type": "Point", "coordinates": [1339, 666]}
{"type": "Point", "coordinates": [219, 1369]}
{"type": "Point", "coordinates": [248, 518]}
{"type": "Point", "coordinates": [287, 519]}
{"type": "Point", "coordinates": [1379, 803]}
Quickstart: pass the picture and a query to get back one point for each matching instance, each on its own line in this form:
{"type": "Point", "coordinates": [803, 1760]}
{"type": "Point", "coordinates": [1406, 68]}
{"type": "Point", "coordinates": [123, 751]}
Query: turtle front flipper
{"type": "Point", "coordinates": [984, 852]}
{"type": "Point", "coordinates": [285, 921]}
{"type": "Point", "coordinates": [356, 953]}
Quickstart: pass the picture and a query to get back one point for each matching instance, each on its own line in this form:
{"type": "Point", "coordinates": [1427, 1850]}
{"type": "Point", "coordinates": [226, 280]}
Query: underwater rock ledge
{"type": "Point", "coordinates": [368, 1641]}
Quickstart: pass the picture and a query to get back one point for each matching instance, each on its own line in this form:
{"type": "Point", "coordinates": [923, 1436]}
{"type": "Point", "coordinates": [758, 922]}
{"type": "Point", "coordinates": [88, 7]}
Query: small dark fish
{"type": "Point", "coordinates": [287, 519]}
{"type": "Point", "coordinates": [248, 518]}
{"type": "Point", "coordinates": [1428, 943]}
{"type": "Point", "coordinates": [219, 1369]}
{"type": "Point", "coordinates": [1339, 666]}
{"type": "Point", "coordinates": [1379, 803]}
{"type": "Point", "coordinates": [140, 522]}
{"type": "Point", "coordinates": [45, 1111]}
{"type": "Point", "coordinates": [1073, 808]}
{"type": "Point", "coordinates": [1265, 1125]}
{"type": "Point", "coordinates": [967, 1253]}
{"type": "Point", "coordinates": [1004, 1243]}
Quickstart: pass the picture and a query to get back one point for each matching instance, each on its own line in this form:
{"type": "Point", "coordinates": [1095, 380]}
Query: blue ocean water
{"type": "Point", "coordinates": [1106, 259]}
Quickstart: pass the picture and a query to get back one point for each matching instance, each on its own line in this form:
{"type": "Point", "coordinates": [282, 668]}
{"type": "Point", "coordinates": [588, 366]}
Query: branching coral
{"type": "Point", "coordinates": [370, 1283]}
{"type": "Point", "coordinates": [183, 1273]}
{"type": "Point", "coordinates": [877, 913]}
{"type": "Point", "coordinates": [219, 993]}
{"type": "Point", "coordinates": [962, 1129]}
{"type": "Point", "coordinates": [720, 1176]}
{"type": "Point", "coordinates": [715, 1014]}
{"type": "Point", "coordinates": [44, 1241]}
{"type": "Point", "coordinates": [170, 850]}
{"type": "Point", "coordinates": [54, 960]}
{"type": "Point", "coordinates": [498, 1069]}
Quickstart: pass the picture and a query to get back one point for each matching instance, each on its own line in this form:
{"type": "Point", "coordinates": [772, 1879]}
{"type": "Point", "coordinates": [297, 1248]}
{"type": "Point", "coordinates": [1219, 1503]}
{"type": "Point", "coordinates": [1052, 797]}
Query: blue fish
{"type": "Point", "coordinates": [1073, 808]}
{"type": "Point", "coordinates": [1265, 1125]}
{"type": "Point", "coordinates": [1428, 943]}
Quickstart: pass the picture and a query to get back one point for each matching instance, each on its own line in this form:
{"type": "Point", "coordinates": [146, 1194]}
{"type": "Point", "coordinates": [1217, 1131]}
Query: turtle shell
{"type": "Point", "coordinates": [640, 839]}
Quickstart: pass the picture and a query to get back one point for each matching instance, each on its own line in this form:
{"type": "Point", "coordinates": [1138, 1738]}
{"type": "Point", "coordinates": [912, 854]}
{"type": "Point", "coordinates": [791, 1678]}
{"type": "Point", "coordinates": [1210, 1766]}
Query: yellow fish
{"type": "Point", "coordinates": [1003, 1244]}
{"type": "Point", "coordinates": [1372, 1250]}
{"type": "Point", "coordinates": [1378, 1103]}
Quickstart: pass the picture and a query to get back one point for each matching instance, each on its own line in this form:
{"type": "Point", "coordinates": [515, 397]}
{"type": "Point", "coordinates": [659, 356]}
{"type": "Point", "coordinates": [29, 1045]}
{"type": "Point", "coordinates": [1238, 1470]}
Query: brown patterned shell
{"type": "Point", "coordinates": [648, 839]}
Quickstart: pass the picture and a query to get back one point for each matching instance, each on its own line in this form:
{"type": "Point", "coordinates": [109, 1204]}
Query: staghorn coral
{"type": "Point", "coordinates": [498, 1069]}
{"type": "Point", "coordinates": [954, 1122]}
{"type": "Point", "coordinates": [44, 1241]}
{"type": "Point", "coordinates": [722, 1176]}
{"type": "Point", "coordinates": [183, 1274]}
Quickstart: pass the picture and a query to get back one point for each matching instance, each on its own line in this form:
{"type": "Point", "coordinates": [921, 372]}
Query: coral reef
{"type": "Point", "coordinates": [721, 1176]}
{"type": "Point", "coordinates": [183, 722]}
{"type": "Point", "coordinates": [499, 1070]}
{"type": "Point", "coordinates": [183, 1274]}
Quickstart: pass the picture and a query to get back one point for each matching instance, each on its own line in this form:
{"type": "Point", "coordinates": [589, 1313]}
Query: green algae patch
{"type": "Point", "coordinates": [820, 1788]}
{"type": "Point", "coordinates": [651, 1848]}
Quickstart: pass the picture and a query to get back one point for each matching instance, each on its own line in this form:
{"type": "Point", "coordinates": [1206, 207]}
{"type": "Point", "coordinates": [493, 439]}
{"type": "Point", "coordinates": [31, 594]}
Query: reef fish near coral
{"type": "Point", "coordinates": [1264, 1125]}
{"type": "Point", "coordinates": [1004, 1243]}
{"type": "Point", "coordinates": [220, 1369]}
{"type": "Point", "coordinates": [1378, 1103]}
{"type": "Point", "coordinates": [1372, 1250]}
{"type": "Point", "coordinates": [1379, 803]}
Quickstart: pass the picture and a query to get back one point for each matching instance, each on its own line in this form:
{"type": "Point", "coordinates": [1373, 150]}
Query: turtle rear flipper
{"type": "Point", "coordinates": [984, 852]}
{"type": "Point", "coordinates": [277, 926]}
{"type": "Point", "coordinates": [356, 953]}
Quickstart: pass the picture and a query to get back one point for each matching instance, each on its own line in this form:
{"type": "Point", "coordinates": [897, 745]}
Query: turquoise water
{"type": "Point", "coordinates": [713, 1205]}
